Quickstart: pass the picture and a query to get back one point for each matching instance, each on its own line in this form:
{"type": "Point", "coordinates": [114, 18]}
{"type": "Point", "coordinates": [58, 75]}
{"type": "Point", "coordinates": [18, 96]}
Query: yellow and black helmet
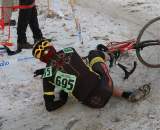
{"type": "Point", "coordinates": [43, 50]}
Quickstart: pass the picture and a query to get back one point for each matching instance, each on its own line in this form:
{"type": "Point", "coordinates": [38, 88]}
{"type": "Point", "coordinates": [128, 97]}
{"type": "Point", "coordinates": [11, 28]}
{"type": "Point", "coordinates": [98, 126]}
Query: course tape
{"type": "Point", "coordinates": [5, 63]}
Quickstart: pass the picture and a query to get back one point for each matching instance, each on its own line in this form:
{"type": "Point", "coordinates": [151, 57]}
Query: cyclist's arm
{"type": "Point", "coordinates": [49, 96]}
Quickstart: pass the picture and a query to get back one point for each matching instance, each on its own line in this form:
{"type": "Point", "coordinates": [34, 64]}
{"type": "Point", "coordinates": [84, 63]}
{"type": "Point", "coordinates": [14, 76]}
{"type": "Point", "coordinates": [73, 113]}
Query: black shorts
{"type": "Point", "coordinates": [99, 96]}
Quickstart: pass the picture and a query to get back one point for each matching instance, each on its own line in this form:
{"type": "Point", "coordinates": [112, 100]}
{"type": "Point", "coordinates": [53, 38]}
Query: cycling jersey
{"type": "Point", "coordinates": [67, 71]}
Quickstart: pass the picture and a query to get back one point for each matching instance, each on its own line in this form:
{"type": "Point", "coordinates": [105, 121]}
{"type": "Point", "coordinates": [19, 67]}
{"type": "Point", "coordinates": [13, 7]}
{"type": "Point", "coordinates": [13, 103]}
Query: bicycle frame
{"type": "Point", "coordinates": [122, 47]}
{"type": "Point", "coordinates": [115, 49]}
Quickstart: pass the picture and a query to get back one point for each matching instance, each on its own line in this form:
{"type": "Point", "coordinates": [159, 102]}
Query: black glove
{"type": "Point", "coordinates": [101, 47]}
{"type": "Point", "coordinates": [38, 72]}
{"type": "Point", "coordinates": [63, 96]}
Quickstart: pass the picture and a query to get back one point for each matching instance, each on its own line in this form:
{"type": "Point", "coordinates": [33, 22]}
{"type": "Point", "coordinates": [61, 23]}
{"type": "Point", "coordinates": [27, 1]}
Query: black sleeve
{"type": "Point", "coordinates": [49, 96]}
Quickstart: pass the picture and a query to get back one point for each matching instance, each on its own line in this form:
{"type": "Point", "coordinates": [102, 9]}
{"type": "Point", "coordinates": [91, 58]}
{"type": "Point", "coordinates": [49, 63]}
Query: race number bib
{"type": "Point", "coordinates": [68, 50]}
{"type": "Point", "coordinates": [47, 72]}
{"type": "Point", "coordinates": [65, 81]}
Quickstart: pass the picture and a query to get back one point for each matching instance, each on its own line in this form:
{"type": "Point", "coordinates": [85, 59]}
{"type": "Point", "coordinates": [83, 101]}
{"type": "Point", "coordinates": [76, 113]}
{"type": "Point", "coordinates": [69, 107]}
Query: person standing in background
{"type": "Point", "coordinates": [54, 9]}
{"type": "Point", "coordinates": [27, 16]}
{"type": "Point", "coordinates": [6, 13]}
{"type": "Point", "coordinates": [50, 11]}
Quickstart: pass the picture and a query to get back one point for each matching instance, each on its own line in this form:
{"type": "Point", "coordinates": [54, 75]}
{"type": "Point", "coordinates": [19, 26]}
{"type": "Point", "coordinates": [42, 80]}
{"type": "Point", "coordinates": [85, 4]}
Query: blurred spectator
{"type": "Point", "coordinates": [27, 17]}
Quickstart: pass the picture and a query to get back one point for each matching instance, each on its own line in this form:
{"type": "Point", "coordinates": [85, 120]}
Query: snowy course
{"type": "Point", "coordinates": [21, 95]}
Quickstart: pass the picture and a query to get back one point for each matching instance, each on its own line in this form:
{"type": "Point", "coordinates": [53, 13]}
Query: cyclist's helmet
{"type": "Point", "coordinates": [43, 50]}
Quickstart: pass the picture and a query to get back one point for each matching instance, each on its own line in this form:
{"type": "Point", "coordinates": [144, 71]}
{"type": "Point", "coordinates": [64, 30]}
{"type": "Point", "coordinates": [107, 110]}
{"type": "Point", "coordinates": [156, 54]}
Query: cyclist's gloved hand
{"type": "Point", "coordinates": [101, 47]}
{"type": "Point", "coordinates": [38, 72]}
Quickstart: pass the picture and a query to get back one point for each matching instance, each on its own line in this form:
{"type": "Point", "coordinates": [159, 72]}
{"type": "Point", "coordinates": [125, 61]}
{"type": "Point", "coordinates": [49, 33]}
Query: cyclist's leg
{"type": "Point", "coordinates": [103, 92]}
{"type": "Point", "coordinates": [101, 68]}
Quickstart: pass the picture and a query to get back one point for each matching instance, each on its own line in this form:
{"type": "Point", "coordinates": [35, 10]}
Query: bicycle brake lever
{"type": "Point", "coordinates": [127, 73]}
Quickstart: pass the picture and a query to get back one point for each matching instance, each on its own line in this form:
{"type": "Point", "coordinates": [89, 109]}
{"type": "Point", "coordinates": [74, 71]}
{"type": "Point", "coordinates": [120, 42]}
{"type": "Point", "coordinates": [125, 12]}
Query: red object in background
{"type": "Point", "coordinates": [6, 44]}
{"type": "Point", "coordinates": [2, 24]}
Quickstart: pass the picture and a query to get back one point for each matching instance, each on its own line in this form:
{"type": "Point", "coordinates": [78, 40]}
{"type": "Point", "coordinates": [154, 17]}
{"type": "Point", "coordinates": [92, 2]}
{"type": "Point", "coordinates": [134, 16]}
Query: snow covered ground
{"type": "Point", "coordinates": [21, 100]}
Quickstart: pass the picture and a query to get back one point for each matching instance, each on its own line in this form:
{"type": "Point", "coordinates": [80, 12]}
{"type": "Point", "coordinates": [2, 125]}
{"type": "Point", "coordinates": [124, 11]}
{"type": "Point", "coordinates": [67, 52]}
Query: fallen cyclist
{"type": "Point", "coordinates": [90, 84]}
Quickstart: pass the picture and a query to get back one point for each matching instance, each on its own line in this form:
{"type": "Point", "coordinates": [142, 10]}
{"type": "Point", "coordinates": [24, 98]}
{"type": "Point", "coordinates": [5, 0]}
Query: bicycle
{"type": "Point", "coordinates": [141, 45]}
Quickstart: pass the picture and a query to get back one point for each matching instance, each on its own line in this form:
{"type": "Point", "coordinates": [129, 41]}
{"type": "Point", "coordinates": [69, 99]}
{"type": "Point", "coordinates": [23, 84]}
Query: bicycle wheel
{"type": "Point", "coordinates": [148, 44]}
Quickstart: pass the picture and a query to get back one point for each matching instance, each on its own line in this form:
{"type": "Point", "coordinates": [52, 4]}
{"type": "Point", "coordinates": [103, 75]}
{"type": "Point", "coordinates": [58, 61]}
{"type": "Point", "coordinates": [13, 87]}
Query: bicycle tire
{"type": "Point", "coordinates": [146, 44]}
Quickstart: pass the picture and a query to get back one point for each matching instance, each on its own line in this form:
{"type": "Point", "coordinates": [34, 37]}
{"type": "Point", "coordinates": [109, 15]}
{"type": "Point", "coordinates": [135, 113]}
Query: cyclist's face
{"type": "Point", "coordinates": [47, 54]}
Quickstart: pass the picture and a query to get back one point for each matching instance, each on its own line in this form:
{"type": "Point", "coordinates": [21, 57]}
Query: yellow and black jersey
{"type": "Point", "coordinates": [67, 71]}
{"type": "Point", "coordinates": [72, 75]}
